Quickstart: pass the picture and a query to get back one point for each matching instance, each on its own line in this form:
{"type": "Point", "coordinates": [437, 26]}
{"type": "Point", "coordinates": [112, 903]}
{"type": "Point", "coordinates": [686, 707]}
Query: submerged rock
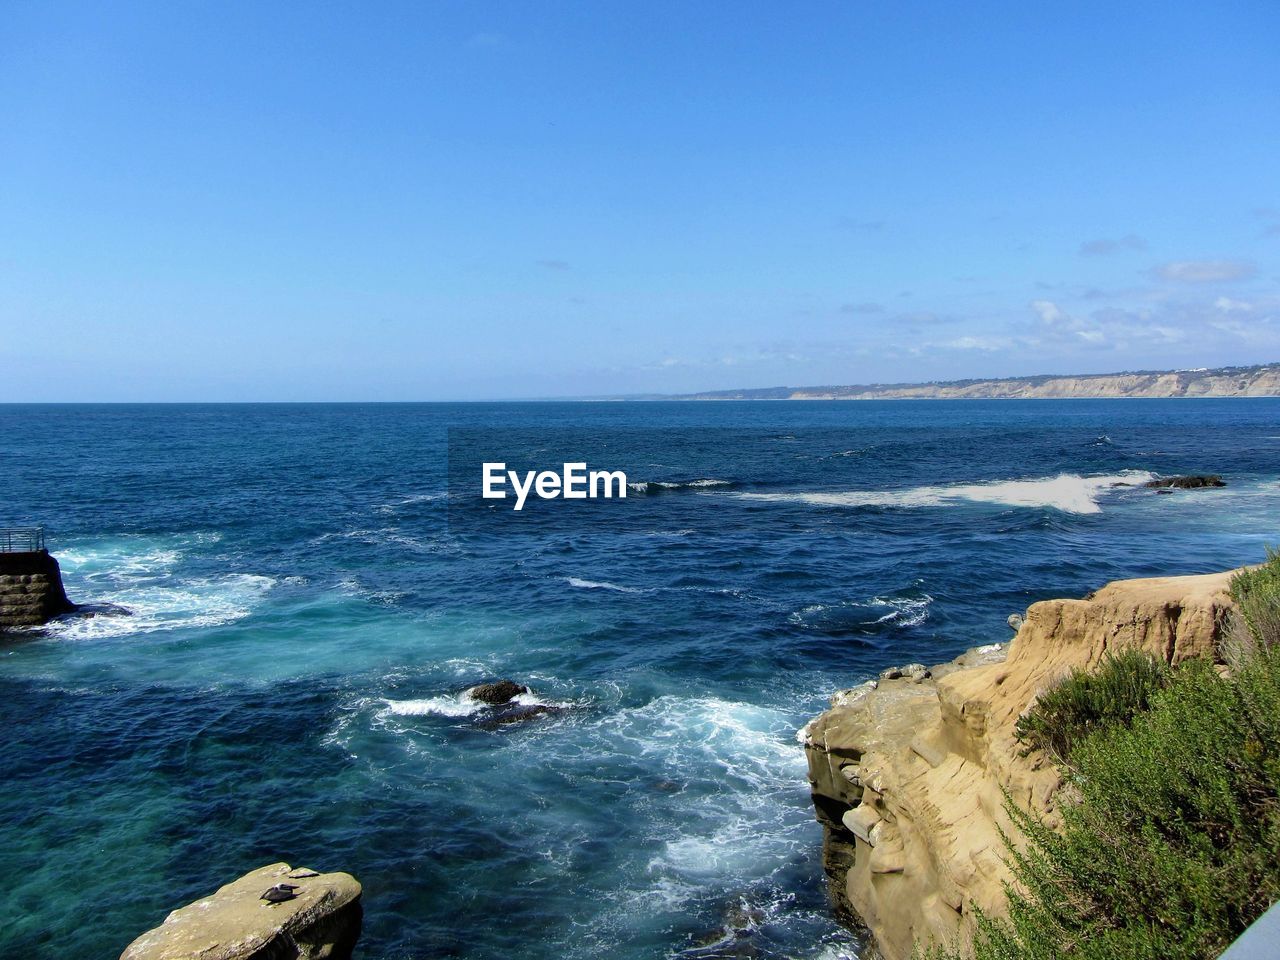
{"type": "Point", "coordinates": [518, 713]}
{"type": "Point", "coordinates": [248, 920]}
{"type": "Point", "coordinates": [1189, 482]}
{"type": "Point", "coordinates": [497, 693]}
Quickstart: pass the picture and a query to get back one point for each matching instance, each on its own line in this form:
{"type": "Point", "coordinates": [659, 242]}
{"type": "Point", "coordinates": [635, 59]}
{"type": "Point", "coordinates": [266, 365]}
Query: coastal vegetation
{"type": "Point", "coordinates": [1169, 845]}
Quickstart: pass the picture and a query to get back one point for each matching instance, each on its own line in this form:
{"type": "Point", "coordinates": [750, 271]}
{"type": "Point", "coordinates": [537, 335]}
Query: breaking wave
{"type": "Point", "coordinates": [143, 577]}
{"type": "Point", "coordinates": [876, 613]}
{"type": "Point", "coordinates": [582, 584]}
{"type": "Point", "coordinates": [659, 486]}
{"type": "Point", "coordinates": [1068, 492]}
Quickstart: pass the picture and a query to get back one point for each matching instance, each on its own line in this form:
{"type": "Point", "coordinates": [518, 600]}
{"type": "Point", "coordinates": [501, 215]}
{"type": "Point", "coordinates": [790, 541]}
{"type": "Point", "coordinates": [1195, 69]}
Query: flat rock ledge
{"type": "Point", "coordinates": [321, 922]}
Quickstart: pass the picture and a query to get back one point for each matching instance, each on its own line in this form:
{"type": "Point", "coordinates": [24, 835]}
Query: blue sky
{"type": "Point", "coordinates": [288, 201]}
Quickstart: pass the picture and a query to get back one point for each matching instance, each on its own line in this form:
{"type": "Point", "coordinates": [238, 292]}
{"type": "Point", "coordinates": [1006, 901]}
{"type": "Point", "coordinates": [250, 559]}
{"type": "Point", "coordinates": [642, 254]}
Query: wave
{"type": "Point", "coordinates": [180, 603]}
{"type": "Point", "coordinates": [733, 782]}
{"type": "Point", "coordinates": [141, 575]}
{"type": "Point", "coordinates": [458, 705]}
{"type": "Point", "coordinates": [582, 584]}
{"type": "Point", "coordinates": [1068, 492]}
{"type": "Point", "coordinates": [867, 614]}
{"type": "Point", "coordinates": [658, 486]}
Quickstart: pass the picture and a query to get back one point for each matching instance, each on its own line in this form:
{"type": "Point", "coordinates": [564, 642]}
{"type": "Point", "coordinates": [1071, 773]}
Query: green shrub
{"type": "Point", "coordinates": [1120, 688]}
{"type": "Point", "coordinates": [1171, 845]}
{"type": "Point", "coordinates": [1257, 596]}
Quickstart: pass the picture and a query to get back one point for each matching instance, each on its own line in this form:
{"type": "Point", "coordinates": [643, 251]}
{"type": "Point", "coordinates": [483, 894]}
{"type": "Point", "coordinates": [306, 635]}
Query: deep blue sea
{"type": "Point", "coordinates": [313, 587]}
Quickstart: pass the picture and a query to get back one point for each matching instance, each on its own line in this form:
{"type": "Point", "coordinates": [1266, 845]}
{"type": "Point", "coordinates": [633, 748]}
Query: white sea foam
{"type": "Point", "coordinates": [899, 611]}
{"type": "Point", "coordinates": [458, 705]}
{"type": "Point", "coordinates": [1068, 492]}
{"type": "Point", "coordinates": [167, 605]}
{"type": "Point", "coordinates": [582, 584]}
{"type": "Point", "coordinates": [746, 755]}
{"type": "Point", "coordinates": [142, 575]}
{"type": "Point", "coordinates": [653, 486]}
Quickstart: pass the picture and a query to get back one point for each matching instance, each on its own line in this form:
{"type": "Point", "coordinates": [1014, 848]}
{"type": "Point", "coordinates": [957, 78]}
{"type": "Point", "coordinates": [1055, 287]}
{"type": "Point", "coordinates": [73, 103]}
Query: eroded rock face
{"type": "Point", "coordinates": [908, 774]}
{"type": "Point", "coordinates": [322, 920]}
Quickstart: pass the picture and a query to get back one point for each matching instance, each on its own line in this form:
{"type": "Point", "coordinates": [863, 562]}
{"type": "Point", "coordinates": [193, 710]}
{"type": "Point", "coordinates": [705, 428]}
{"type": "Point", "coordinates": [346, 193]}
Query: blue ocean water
{"type": "Point", "coordinates": [313, 587]}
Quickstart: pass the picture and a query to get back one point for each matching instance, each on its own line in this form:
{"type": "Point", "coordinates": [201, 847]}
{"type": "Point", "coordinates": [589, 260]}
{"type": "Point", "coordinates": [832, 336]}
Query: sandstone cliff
{"type": "Point", "coordinates": [908, 775]}
{"type": "Point", "coordinates": [318, 917]}
{"type": "Point", "coordinates": [1254, 381]}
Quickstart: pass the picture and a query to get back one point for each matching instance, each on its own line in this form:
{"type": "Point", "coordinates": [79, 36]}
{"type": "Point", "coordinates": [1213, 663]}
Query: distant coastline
{"type": "Point", "coordinates": [1262, 380]}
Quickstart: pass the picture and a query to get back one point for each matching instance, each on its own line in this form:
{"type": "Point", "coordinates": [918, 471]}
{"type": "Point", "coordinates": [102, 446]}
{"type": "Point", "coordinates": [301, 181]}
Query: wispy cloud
{"type": "Point", "coordinates": [984, 344]}
{"type": "Point", "coordinates": [1206, 271]}
{"type": "Point", "coordinates": [553, 264]}
{"type": "Point", "coordinates": [865, 307]}
{"type": "Point", "coordinates": [1105, 246]}
{"type": "Point", "coordinates": [853, 223]}
{"type": "Point", "coordinates": [1271, 221]}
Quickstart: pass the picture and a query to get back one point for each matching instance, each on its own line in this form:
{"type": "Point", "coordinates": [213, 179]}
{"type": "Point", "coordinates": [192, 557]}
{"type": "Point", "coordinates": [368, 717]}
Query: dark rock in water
{"type": "Point", "coordinates": [1189, 482]}
{"type": "Point", "coordinates": [99, 610]}
{"type": "Point", "coordinates": [736, 938]}
{"type": "Point", "coordinates": [497, 693]}
{"type": "Point", "coordinates": [1121, 483]}
{"type": "Point", "coordinates": [667, 786]}
{"type": "Point", "coordinates": [519, 713]}
{"type": "Point", "coordinates": [1165, 492]}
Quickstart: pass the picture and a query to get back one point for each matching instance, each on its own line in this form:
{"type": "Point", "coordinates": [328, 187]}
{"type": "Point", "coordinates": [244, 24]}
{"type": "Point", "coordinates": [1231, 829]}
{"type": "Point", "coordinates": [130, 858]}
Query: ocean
{"type": "Point", "coordinates": [313, 587]}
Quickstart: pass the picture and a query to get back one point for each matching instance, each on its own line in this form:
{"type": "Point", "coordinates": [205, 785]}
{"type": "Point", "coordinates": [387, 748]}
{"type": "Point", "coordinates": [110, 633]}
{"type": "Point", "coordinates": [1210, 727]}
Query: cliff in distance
{"type": "Point", "coordinates": [909, 773]}
{"type": "Point", "coordinates": [1255, 381]}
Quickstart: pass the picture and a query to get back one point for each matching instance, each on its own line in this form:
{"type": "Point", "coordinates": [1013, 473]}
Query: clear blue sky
{"type": "Point", "coordinates": [296, 201]}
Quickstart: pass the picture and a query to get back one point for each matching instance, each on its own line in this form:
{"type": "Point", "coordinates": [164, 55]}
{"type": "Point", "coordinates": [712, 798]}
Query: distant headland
{"type": "Point", "coordinates": [1256, 381]}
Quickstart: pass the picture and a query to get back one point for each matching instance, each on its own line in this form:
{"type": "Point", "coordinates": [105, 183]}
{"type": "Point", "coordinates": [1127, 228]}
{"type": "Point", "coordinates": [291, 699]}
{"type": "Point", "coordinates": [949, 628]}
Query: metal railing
{"type": "Point", "coordinates": [21, 539]}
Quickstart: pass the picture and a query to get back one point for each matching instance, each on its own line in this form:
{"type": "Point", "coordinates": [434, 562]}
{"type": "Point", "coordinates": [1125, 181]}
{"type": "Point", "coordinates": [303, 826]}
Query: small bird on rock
{"type": "Point", "coordinates": [280, 893]}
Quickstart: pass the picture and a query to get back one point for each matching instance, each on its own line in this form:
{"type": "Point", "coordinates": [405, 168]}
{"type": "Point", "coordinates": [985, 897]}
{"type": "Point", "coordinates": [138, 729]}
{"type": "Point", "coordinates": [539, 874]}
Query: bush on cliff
{"type": "Point", "coordinates": [1255, 593]}
{"type": "Point", "coordinates": [1171, 847]}
{"type": "Point", "coordinates": [1118, 690]}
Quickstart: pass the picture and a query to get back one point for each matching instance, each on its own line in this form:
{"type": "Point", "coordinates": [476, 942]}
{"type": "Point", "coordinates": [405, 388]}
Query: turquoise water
{"type": "Point", "coordinates": [314, 587]}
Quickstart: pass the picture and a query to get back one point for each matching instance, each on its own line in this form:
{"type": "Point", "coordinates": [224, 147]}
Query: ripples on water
{"type": "Point", "coordinates": [309, 607]}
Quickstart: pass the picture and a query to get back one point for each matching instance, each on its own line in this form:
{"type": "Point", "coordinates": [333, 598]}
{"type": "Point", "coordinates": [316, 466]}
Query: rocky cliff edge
{"type": "Point", "coordinates": [909, 774]}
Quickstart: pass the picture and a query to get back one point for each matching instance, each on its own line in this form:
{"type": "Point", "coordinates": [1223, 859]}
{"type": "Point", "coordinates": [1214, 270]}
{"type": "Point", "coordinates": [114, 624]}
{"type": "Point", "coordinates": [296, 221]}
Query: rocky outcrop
{"type": "Point", "coordinates": [31, 591]}
{"type": "Point", "coordinates": [1191, 482]}
{"type": "Point", "coordinates": [313, 916]}
{"type": "Point", "coordinates": [909, 773]}
{"type": "Point", "coordinates": [498, 692]}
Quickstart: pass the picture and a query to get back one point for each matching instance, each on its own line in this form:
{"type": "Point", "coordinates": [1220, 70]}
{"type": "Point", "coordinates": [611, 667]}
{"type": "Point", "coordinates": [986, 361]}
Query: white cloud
{"type": "Point", "coordinates": [1206, 271]}
{"type": "Point", "coordinates": [1105, 246]}
{"type": "Point", "coordinates": [1048, 312]}
{"type": "Point", "coordinates": [985, 344]}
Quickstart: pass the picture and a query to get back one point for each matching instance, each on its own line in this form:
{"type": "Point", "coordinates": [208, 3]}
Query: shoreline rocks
{"type": "Point", "coordinates": [321, 919]}
{"type": "Point", "coordinates": [908, 776]}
